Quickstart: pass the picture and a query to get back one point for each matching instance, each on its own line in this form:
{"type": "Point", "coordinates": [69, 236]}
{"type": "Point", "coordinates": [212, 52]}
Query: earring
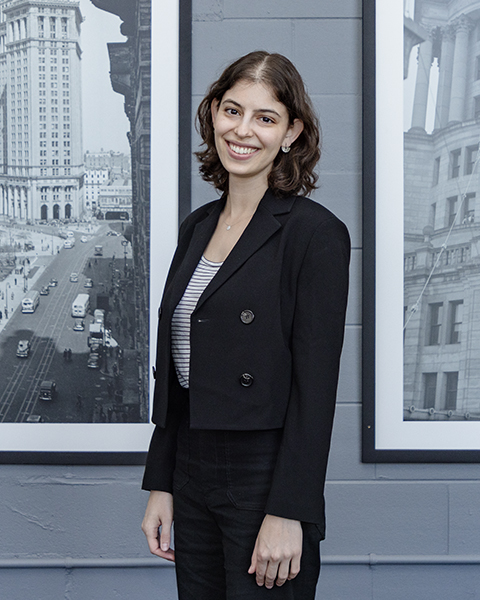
{"type": "Point", "coordinates": [286, 149]}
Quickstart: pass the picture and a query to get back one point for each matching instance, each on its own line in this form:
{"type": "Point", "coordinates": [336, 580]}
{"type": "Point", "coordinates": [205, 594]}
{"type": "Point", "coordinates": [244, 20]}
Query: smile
{"type": "Point", "coordinates": [243, 150]}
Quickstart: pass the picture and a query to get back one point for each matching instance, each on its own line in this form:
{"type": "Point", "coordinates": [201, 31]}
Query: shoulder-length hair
{"type": "Point", "coordinates": [292, 173]}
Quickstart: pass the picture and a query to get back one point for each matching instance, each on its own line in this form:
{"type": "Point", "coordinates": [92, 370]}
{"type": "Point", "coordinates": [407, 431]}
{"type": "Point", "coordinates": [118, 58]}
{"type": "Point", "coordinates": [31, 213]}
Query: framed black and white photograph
{"type": "Point", "coordinates": [421, 231]}
{"type": "Point", "coordinates": [90, 102]}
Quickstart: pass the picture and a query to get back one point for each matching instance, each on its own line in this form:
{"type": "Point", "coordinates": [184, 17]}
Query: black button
{"type": "Point", "coordinates": [247, 316]}
{"type": "Point", "coordinates": [159, 311]}
{"type": "Point", "coordinates": [154, 373]}
{"type": "Point", "coordinates": [246, 380]}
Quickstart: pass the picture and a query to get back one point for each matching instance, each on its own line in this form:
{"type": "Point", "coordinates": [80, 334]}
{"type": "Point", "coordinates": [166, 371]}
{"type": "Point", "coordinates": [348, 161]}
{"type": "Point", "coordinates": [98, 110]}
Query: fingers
{"type": "Point", "coordinates": [272, 572]}
{"type": "Point", "coordinates": [165, 535]}
{"type": "Point", "coordinates": [159, 544]}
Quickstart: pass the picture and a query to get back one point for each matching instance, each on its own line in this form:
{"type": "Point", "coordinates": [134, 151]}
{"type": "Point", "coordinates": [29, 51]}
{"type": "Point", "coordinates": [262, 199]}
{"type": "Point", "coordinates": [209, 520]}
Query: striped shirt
{"type": "Point", "coordinates": [203, 274]}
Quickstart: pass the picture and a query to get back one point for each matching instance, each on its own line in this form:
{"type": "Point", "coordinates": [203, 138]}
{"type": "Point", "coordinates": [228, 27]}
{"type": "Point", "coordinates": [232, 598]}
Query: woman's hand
{"type": "Point", "coordinates": [277, 552]}
{"type": "Point", "coordinates": [159, 513]}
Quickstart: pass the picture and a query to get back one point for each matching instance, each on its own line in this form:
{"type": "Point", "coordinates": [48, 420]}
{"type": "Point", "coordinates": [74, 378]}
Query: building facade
{"type": "Point", "coordinates": [442, 218]}
{"type": "Point", "coordinates": [130, 64]}
{"type": "Point", "coordinates": [115, 200]}
{"type": "Point", "coordinates": [41, 156]}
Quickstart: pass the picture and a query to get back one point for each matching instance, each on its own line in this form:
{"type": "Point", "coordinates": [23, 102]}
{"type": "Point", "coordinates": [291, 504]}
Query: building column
{"type": "Point", "coordinates": [419, 114]}
{"type": "Point", "coordinates": [445, 77]}
{"type": "Point", "coordinates": [11, 202]}
{"type": "Point", "coordinates": [18, 196]}
{"type": "Point", "coordinates": [462, 25]}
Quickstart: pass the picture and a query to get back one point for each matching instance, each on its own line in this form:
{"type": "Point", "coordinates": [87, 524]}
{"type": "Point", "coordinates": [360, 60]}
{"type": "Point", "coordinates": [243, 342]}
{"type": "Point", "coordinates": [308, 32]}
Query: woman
{"type": "Point", "coordinates": [249, 340]}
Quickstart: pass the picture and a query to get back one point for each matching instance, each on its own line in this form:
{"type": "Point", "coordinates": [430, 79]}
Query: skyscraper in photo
{"type": "Point", "coordinates": [41, 153]}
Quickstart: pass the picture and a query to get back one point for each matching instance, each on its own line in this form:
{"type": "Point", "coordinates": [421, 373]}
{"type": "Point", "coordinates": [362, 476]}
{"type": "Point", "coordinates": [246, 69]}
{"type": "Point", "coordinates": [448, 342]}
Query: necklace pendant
{"type": "Point", "coordinates": [229, 227]}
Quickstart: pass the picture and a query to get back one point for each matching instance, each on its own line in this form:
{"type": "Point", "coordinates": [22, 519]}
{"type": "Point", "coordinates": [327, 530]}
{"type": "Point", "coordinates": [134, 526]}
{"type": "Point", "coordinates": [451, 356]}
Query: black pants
{"type": "Point", "coordinates": [221, 483]}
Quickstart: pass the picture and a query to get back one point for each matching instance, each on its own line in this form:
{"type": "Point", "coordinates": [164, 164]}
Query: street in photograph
{"type": "Point", "coordinates": [74, 211]}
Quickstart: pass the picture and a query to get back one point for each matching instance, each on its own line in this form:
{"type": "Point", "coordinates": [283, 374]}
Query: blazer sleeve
{"type": "Point", "coordinates": [316, 344]}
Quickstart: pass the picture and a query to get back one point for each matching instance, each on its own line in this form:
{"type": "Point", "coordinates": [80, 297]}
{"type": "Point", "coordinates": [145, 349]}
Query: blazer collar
{"type": "Point", "coordinates": [261, 227]}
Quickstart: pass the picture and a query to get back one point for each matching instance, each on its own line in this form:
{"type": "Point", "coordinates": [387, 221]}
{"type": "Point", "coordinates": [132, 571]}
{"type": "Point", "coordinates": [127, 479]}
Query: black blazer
{"type": "Point", "coordinates": [266, 338]}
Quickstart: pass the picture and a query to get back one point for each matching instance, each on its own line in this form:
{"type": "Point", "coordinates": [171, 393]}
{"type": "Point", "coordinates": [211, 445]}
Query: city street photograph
{"type": "Point", "coordinates": [74, 212]}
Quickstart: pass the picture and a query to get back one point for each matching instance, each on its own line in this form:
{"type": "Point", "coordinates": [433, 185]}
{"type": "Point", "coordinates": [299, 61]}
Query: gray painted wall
{"type": "Point", "coordinates": [74, 529]}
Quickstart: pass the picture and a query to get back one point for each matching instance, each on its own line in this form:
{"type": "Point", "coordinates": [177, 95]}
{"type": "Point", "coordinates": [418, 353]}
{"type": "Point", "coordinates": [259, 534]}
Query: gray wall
{"type": "Point", "coordinates": [74, 532]}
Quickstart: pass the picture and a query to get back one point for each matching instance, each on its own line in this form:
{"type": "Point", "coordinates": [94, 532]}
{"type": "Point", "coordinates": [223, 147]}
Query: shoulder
{"type": "Point", "coordinates": [313, 220]}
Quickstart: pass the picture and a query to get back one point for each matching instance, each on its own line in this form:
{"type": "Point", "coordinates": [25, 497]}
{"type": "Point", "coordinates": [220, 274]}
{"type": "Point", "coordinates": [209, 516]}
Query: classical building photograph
{"type": "Point", "coordinates": [74, 210]}
{"type": "Point", "coordinates": [442, 211]}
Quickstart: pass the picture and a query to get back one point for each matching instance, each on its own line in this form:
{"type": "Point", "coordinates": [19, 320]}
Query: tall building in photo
{"type": "Point", "coordinates": [130, 64]}
{"type": "Point", "coordinates": [442, 217]}
{"type": "Point", "coordinates": [41, 154]}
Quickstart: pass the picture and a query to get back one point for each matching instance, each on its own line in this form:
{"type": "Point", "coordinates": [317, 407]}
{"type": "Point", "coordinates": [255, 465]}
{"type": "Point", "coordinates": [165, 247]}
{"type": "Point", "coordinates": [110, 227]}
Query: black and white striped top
{"type": "Point", "coordinates": [203, 274]}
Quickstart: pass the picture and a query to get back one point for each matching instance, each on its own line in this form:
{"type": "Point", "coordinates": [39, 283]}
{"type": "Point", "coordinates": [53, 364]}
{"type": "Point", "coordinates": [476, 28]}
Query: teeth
{"type": "Point", "coordinates": [242, 149]}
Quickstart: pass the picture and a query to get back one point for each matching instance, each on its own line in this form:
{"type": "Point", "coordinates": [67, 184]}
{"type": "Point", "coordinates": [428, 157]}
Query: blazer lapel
{"type": "Point", "coordinates": [201, 235]}
{"type": "Point", "coordinates": [261, 227]}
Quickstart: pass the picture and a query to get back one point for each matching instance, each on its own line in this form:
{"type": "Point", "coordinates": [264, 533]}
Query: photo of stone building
{"type": "Point", "coordinates": [41, 174]}
{"type": "Point", "coordinates": [442, 213]}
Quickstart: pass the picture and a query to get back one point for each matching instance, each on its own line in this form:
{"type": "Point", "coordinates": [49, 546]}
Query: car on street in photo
{"type": "Point", "coordinates": [48, 390]}
{"type": "Point", "coordinates": [69, 243]}
{"type": "Point", "coordinates": [111, 232]}
{"type": "Point", "coordinates": [34, 419]}
{"type": "Point", "coordinates": [94, 360]}
{"type": "Point", "coordinates": [53, 282]}
{"type": "Point", "coordinates": [23, 348]}
{"type": "Point", "coordinates": [79, 325]}
{"type": "Point", "coordinates": [84, 239]}
{"type": "Point", "coordinates": [74, 277]}
{"type": "Point", "coordinates": [88, 283]}
{"type": "Point", "coordinates": [45, 290]}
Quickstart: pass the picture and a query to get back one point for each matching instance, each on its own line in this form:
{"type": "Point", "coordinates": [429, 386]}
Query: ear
{"type": "Point", "coordinates": [293, 132]}
{"type": "Point", "coordinates": [214, 110]}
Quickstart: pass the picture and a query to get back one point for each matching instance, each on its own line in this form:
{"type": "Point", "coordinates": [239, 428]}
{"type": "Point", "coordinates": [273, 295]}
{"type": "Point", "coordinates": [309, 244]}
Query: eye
{"type": "Point", "coordinates": [231, 111]}
{"type": "Point", "coordinates": [266, 120]}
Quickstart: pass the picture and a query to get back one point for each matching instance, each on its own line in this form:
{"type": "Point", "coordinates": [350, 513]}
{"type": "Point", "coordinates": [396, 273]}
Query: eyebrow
{"type": "Point", "coordinates": [260, 110]}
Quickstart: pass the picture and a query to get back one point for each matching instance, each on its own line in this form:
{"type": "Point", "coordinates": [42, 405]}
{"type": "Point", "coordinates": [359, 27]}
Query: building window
{"type": "Point", "coordinates": [455, 319]}
{"type": "Point", "coordinates": [433, 214]}
{"type": "Point", "coordinates": [470, 159]}
{"type": "Point", "coordinates": [468, 208]}
{"type": "Point", "coordinates": [455, 163]}
{"type": "Point", "coordinates": [434, 323]}
{"type": "Point", "coordinates": [451, 390]}
{"type": "Point", "coordinates": [452, 210]}
{"type": "Point", "coordinates": [429, 389]}
{"type": "Point", "coordinates": [477, 107]}
{"type": "Point", "coordinates": [436, 170]}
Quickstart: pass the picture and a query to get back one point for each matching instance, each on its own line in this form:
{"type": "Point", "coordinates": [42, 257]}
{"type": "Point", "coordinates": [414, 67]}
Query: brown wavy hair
{"type": "Point", "coordinates": [292, 173]}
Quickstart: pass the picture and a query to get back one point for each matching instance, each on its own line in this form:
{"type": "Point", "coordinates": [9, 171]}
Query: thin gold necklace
{"type": "Point", "coordinates": [236, 222]}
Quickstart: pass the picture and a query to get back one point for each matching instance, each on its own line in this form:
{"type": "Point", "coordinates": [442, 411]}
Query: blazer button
{"type": "Point", "coordinates": [246, 380]}
{"type": "Point", "coordinates": [154, 373]}
{"type": "Point", "coordinates": [159, 311]}
{"type": "Point", "coordinates": [247, 316]}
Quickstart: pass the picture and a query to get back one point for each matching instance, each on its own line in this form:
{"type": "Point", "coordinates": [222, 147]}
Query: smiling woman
{"type": "Point", "coordinates": [249, 341]}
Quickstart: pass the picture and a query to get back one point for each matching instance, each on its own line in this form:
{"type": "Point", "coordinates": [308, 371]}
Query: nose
{"type": "Point", "coordinates": [243, 128]}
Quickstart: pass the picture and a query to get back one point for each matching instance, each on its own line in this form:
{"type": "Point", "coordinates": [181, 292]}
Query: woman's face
{"type": "Point", "coordinates": [250, 127]}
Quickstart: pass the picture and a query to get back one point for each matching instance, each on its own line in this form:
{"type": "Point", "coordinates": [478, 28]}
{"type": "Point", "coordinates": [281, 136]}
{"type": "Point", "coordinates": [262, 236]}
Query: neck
{"type": "Point", "coordinates": [243, 197]}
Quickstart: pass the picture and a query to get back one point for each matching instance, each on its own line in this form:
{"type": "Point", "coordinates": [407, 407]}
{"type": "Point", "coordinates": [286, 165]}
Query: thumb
{"type": "Point", "coordinates": [165, 535]}
{"type": "Point", "coordinates": [253, 563]}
